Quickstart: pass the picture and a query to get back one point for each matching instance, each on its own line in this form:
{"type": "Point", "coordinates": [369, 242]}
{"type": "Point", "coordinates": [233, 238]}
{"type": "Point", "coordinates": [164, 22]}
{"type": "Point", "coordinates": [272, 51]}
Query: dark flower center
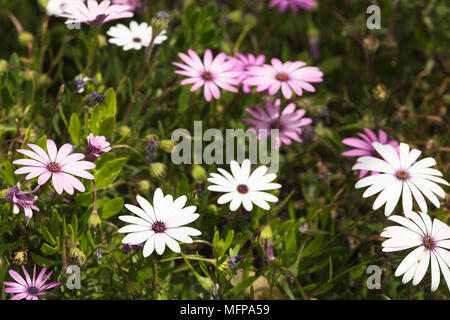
{"type": "Point", "coordinates": [207, 75]}
{"type": "Point", "coordinates": [33, 290]}
{"type": "Point", "coordinates": [159, 226]}
{"type": "Point", "coordinates": [137, 39]}
{"type": "Point", "coordinates": [276, 125]}
{"type": "Point", "coordinates": [242, 188]}
{"type": "Point", "coordinates": [282, 76]}
{"type": "Point", "coordinates": [429, 243]}
{"type": "Point", "coordinates": [402, 175]}
{"type": "Point", "coordinates": [53, 166]}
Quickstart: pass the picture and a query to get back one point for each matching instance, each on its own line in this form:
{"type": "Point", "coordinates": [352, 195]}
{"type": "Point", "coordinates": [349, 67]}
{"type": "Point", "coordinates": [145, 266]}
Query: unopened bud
{"type": "Point", "coordinates": [198, 173]}
{"type": "Point", "coordinates": [157, 170]}
{"type": "Point", "coordinates": [94, 220]}
{"type": "Point", "coordinates": [26, 38]}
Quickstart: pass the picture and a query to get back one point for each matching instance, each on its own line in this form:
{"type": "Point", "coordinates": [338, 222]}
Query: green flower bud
{"type": "Point", "coordinates": [198, 173]}
{"type": "Point", "coordinates": [266, 233]}
{"type": "Point", "coordinates": [124, 131]}
{"type": "Point", "coordinates": [3, 193]}
{"type": "Point", "coordinates": [157, 170]}
{"type": "Point", "coordinates": [94, 220]}
{"type": "Point", "coordinates": [167, 145]}
{"type": "Point", "coordinates": [3, 65]}
{"type": "Point", "coordinates": [134, 290]}
{"type": "Point", "coordinates": [206, 283]}
{"type": "Point", "coordinates": [78, 256]}
{"type": "Point", "coordinates": [380, 92]}
{"type": "Point", "coordinates": [160, 22]}
{"type": "Point", "coordinates": [143, 185]}
{"type": "Point", "coordinates": [212, 209]}
{"type": "Point", "coordinates": [371, 44]}
{"type": "Point", "coordinates": [26, 38]}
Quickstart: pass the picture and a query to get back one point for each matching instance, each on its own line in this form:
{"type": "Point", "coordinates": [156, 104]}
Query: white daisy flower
{"type": "Point", "coordinates": [241, 187]}
{"type": "Point", "coordinates": [431, 239]}
{"type": "Point", "coordinates": [400, 175]}
{"type": "Point", "coordinates": [54, 7]}
{"type": "Point", "coordinates": [134, 37]}
{"type": "Point", "coordinates": [159, 225]}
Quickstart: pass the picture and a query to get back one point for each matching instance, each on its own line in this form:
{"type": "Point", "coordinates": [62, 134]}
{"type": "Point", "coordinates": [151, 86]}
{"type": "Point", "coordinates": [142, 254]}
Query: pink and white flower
{"type": "Point", "coordinates": [159, 225]}
{"type": "Point", "coordinates": [431, 243]}
{"type": "Point", "coordinates": [289, 122]}
{"type": "Point", "coordinates": [307, 5]}
{"type": "Point", "coordinates": [29, 288]}
{"type": "Point", "coordinates": [242, 63]}
{"type": "Point", "coordinates": [21, 201]}
{"type": "Point", "coordinates": [96, 146]}
{"type": "Point", "coordinates": [94, 14]}
{"type": "Point", "coordinates": [400, 176]}
{"type": "Point", "coordinates": [364, 147]}
{"type": "Point", "coordinates": [211, 73]}
{"type": "Point", "coordinates": [289, 76]}
{"type": "Point", "coordinates": [60, 165]}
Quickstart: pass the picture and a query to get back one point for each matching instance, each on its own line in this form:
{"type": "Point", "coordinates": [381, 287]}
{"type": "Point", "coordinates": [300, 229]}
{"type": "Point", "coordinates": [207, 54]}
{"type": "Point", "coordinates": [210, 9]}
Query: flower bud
{"type": "Point", "coordinates": [94, 220]}
{"type": "Point", "coordinates": [198, 173]}
{"type": "Point", "coordinates": [124, 131]}
{"type": "Point", "coordinates": [160, 22]}
{"type": "Point", "coordinates": [380, 92]}
{"type": "Point", "coordinates": [371, 44]}
{"type": "Point", "coordinates": [266, 233]}
{"type": "Point", "coordinates": [134, 290]}
{"type": "Point", "coordinates": [26, 38]}
{"type": "Point", "coordinates": [143, 186]}
{"type": "Point", "coordinates": [77, 255]}
{"type": "Point", "coordinates": [96, 146]}
{"type": "Point", "coordinates": [157, 170]}
{"type": "Point", "coordinates": [206, 283]}
{"type": "Point", "coordinates": [167, 145]}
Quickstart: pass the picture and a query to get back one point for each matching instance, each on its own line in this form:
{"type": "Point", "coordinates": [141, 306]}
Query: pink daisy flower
{"type": "Point", "coordinates": [294, 4]}
{"type": "Point", "coordinates": [209, 73]}
{"type": "Point", "coordinates": [21, 201]}
{"type": "Point", "coordinates": [30, 289]}
{"type": "Point", "coordinates": [289, 123]}
{"type": "Point", "coordinates": [288, 76]}
{"type": "Point", "coordinates": [94, 14]}
{"type": "Point", "coordinates": [242, 63]}
{"type": "Point", "coordinates": [59, 165]}
{"type": "Point", "coordinates": [363, 147]}
{"type": "Point", "coordinates": [96, 146]}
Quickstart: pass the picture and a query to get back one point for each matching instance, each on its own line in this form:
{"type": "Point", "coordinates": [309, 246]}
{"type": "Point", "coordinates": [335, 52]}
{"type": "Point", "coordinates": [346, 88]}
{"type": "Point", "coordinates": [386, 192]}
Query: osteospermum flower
{"type": "Point", "coordinates": [94, 14]}
{"type": "Point", "coordinates": [29, 288]}
{"type": "Point", "coordinates": [60, 165]}
{"type": "Point", "coordinates": [289, 122]}
{"type": "Point", "coordinates": [294, 4]}
{"type": "Point", "coordinates": [21, 201]}
{"type": "Point", "coordinates": [133, 4]}
{"type": "Point", "coordinates": [161, 224]}
{"type": "Point", "coordinates": [211, 73]}
{"type": "Point", "coordinates": [430, 240]}
{"type": "Point", "coordinates": [242, 63]}
{"type": "Point", "coordinates": [288, 76]}
{"type": "Point", "coordinates": [54, 7]}
{"type": "Point", "coordinates": [400, 175]}
{"type": "Point", "coordinates": [241, 187]}
{"type": "Point", "coordinates": [96, 146]}
{"type": "Point", "coordinates": [363, 147]}
{"type": "Point", "coordinates": [135, 37]}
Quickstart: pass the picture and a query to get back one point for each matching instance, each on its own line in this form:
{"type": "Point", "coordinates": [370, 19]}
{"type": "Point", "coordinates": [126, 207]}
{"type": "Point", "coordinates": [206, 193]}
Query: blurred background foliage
{"type": "Point", "coordinates": [324, 234]}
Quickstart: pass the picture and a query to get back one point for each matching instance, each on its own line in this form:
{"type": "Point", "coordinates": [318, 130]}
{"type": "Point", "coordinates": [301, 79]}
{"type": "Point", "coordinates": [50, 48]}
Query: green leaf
{"type": "Point", "coordinates": [41, 261]}
{"type": "Point", "coordinates": [242, 285]}
{"type": "Point", "coordinates": [111, 208]}
{"type": "Point", "coordinates": [107, 126]}
{"type": "Point", "coordinates": [74, 129]}
{"type": "Point", "coordinates": [48, 250]}
{"type": "Point", "coordinates": [110, 102]}
{"type": "Point", "coordinates": [109, 172]}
